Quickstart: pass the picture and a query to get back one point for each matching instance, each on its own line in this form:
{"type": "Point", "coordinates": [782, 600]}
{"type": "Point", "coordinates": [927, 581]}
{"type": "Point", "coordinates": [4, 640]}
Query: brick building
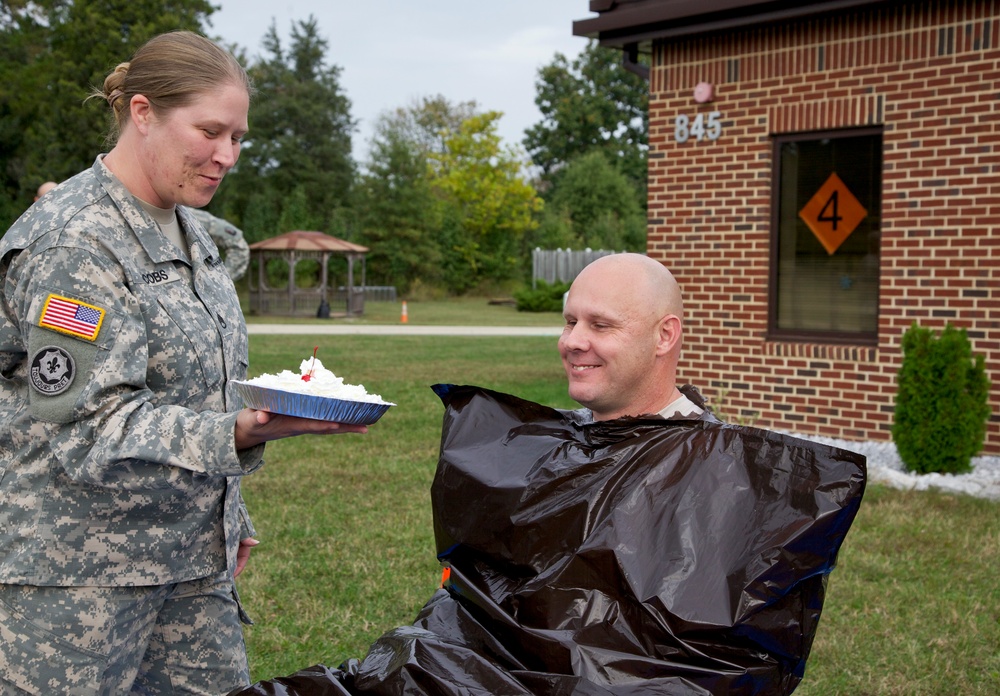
{"type": "Point", "coordinates": [821, 176]}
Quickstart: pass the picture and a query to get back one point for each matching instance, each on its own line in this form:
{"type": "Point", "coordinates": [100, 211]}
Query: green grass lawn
{"type": "Point", "coordinates": [347, 547]}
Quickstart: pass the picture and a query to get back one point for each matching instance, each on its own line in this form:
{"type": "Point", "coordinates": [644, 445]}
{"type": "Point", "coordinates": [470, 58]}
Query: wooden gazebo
{"type": "Point", "coordinates": [315, 299]}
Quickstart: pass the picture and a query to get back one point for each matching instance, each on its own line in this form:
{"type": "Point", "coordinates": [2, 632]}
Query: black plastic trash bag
{"type": "Point", "coordinates": [637, 556]}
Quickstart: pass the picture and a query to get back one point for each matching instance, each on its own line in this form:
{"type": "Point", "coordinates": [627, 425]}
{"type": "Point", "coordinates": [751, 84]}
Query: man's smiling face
{"type": "Point", "coordinates": [609, 344]}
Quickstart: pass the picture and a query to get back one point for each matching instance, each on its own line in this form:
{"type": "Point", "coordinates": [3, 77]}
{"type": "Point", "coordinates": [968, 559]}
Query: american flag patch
{"type": "Point", "coordinates": [71, 317]}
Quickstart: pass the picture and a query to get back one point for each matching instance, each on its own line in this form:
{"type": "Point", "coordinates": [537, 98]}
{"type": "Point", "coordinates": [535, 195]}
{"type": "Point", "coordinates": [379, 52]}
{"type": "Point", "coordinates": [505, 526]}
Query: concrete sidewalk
{"type": "Point", "coordinates": [401, 330]}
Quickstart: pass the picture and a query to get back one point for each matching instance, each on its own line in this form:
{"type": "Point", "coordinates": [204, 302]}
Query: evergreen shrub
{"type": "Point", "coordinates": [543, 298]}
{"type": "Point", "coordinates": [941, 402]}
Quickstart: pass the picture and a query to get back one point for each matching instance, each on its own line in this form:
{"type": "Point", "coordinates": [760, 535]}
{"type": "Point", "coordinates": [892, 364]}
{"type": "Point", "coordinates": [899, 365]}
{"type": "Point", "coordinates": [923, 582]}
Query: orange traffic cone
{"type": "Point", "coordinates": [403, 318]}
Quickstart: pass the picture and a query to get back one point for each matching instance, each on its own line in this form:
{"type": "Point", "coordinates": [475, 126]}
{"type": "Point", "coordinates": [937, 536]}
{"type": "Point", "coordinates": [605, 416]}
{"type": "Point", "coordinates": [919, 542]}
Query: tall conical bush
{"type": "Point", "coordinates": [941, 402]}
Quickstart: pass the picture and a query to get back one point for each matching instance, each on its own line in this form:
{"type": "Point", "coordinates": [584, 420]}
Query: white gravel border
{"type": "Point", "coordinates": [885, 467]}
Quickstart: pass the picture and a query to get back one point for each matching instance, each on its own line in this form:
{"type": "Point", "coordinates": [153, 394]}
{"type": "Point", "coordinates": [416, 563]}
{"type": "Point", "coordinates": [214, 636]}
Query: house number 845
{"type": "Point", "coordinates": [703, 127]}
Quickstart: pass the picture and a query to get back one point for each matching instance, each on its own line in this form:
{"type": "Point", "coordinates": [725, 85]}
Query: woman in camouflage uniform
{"type": "Point", "coordinates": [122, 448]}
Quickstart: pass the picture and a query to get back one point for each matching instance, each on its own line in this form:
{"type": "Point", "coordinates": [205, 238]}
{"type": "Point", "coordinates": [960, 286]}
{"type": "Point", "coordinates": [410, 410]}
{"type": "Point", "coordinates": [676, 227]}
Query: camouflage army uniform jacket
{"type": "Point", "coordinates": [117, 457]}
{"type": "Point", "coordinates": [229, 238]}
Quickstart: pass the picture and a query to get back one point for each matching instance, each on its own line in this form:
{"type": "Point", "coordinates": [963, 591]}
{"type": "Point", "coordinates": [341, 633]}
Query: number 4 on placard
{"type": "Point", "coordinates": [829, 212]}
{"type": "Point", "coordinates": [701, 128]}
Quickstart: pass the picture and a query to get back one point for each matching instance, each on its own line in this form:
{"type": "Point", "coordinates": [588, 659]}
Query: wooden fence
{"type": "Point", "coordinates": [561, 265]}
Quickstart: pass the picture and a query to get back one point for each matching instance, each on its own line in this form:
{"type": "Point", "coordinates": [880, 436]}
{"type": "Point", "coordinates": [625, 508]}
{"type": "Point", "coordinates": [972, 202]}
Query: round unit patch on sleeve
{"type": "Point", "coordinates": [52, 370]}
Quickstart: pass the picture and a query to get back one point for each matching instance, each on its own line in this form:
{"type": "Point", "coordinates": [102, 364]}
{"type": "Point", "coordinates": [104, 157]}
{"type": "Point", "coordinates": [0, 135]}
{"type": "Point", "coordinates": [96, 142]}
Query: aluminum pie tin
{"type": "Point", "coordinates": [310, 405]}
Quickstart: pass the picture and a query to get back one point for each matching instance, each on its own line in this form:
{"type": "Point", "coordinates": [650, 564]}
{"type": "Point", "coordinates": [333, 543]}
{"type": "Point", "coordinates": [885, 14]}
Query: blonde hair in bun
{"type": "Point", "coordinates": [171, 70]}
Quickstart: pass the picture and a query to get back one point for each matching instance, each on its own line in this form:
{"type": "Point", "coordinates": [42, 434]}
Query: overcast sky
{"type": "Point", "coordinates": [394, 51]}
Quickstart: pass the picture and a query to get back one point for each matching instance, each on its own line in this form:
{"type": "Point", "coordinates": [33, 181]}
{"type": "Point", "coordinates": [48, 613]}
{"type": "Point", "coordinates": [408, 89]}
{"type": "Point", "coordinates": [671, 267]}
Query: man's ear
{"type": "Point", "coordinates": [670, 334]}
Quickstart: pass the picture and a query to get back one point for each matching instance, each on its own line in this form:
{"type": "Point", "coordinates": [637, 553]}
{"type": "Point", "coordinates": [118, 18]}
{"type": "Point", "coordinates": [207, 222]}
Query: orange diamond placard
{"type": "Point", "coordinates": [833, 213]}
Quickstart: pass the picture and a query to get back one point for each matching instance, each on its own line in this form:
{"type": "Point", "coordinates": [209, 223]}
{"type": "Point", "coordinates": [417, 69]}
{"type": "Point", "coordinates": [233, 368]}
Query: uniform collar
{"type": "Point", "coordinates": [153, 241]}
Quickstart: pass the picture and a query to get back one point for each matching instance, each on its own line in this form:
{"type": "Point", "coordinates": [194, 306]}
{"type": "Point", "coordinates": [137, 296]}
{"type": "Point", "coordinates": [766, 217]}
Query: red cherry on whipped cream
{"type": "Point", "coordinates": [308, 376]}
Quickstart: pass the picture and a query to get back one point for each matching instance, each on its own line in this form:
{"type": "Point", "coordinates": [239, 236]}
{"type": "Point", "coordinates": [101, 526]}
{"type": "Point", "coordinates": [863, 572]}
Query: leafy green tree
{"type": "Point", "coordinates": [594, 206]}
{"type": "Point", "coordinates": [297, 214]}
{"type": "Point", "coordinates": [428, 122]}
{"type": "Point", "coordinates": [590, 103]}
{"type": "Point", "coordinates": [52, 54]}
{"type": "Point", "coordinates": [299, 139]}
{"type": "Point", "coordinates": [261, 216]}
{"type": "Point", "coordinates": [398, 209]}
{"type": "Point", "coordinates": [489, 206]}
{"type": "Point", "coordinates": [443, 203]}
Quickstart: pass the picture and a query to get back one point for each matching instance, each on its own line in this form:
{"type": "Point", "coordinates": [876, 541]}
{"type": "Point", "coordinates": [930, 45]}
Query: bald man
{"type": "Point", "coordinates": [622, 339]}
{"type": "Point", "coordinates": [603, 551]}
{"type": "Point", "coordinates": [44, 188]}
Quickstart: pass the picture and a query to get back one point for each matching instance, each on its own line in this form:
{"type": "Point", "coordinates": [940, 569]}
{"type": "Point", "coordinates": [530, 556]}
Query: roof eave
{"type": "Point", "coordinates": [640, 25]}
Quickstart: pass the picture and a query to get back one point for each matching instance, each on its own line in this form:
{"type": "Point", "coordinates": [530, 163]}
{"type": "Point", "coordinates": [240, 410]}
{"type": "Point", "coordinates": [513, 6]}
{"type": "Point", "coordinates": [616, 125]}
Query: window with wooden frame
{"type": "Point", "coordinates": [825, 237]}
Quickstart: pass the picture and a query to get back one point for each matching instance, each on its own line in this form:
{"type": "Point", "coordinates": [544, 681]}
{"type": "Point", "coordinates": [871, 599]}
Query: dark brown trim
{"type": "Point", "coordinates": [630, 61]}
{"type": "Point", "coordinates": [646, 20]}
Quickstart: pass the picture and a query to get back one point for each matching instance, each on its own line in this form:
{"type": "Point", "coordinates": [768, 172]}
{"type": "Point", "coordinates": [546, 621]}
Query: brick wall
{"type": "Point", "coordinates": [928, 73]}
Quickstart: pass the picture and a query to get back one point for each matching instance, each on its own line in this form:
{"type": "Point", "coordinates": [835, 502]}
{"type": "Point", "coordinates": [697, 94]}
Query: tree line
{"type": "Point", "coordinates": [444, 205]}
